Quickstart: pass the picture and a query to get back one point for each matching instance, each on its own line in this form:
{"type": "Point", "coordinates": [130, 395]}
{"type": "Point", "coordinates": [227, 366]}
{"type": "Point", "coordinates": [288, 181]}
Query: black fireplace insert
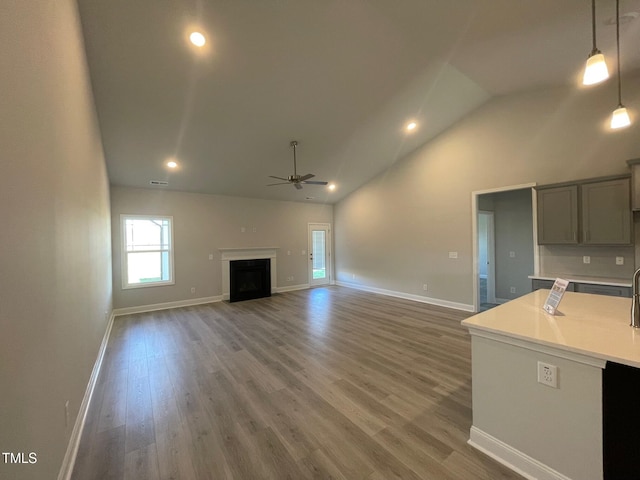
{"type": "Point", "coordinates": [249, 279]}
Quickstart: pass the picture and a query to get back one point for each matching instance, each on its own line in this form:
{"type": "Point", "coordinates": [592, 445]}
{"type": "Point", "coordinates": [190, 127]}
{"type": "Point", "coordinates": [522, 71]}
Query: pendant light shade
{"type": "Point", "coordinates": [620, 117]}
{"type": "Point", "coordinates": [596, 70]}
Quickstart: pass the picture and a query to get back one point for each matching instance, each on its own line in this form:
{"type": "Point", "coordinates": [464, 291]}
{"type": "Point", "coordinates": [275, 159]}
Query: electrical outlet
{"type": "Point", "coordinates": [548, 374]}
{"type": "Point", "coordinates": [211, 256]}
{"type": "Point", "coordinates": [255, 229]}
{"type": "Point", "coordinates": [619, 260]}
{"type": "Point", "coordinates": [512, 254]}
{"type": "Point", "coordinates": [242, 229]}
{"type": "Point", "coordinates": [288, 252]}
{"type": "Point", "coordinates": [586, 259]}
{"type": "Point", "coordinates": [193, 289]}
{"type": "Point", "coordinates": [453, 254]}
{"type": "Point", "coordinates": [512, 289]}
{"type": "Point", "coordinates": [424, 287]}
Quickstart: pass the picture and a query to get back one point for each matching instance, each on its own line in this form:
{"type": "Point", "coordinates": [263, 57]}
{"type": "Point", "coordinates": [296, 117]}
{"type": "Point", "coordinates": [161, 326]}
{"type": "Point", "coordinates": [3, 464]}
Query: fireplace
{"type": "Point", "coordinates": [249, 279]}
{"type": "Point", "coordinates": [228, 255]}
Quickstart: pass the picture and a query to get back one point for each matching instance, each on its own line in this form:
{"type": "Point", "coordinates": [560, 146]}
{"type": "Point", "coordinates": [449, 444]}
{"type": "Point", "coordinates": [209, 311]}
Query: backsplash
{"type": "Point", "coordinates": [568, 259]}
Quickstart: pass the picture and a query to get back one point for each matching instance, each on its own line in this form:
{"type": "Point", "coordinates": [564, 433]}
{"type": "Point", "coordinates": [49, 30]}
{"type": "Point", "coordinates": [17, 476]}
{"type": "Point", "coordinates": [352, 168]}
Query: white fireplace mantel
{"type": "Point", "coordinates": [246, 253]}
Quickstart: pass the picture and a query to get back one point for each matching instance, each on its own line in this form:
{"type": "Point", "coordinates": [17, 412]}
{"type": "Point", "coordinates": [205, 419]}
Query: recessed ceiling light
{"type": "Point", "coordinates": [332, 187]}
{"type": "Point", "coordinates": [411, 126]}
{"type": "Point", "coordinates": [172, 164]}
{"type": "Point", "coordinates": [197, 39]}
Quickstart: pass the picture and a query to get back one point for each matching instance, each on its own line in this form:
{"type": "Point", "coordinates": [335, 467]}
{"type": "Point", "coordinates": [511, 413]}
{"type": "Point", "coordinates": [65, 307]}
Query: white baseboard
{"type": "Point", "coordinates": [517, 461]}
{"type": "Point", "coordinates": [291, 288]}
{"type": "Point", "coordinates": [408, 296]}
{"type": "Point", "coordinates": [166, 305]}
{"type": "Point", "coordinates": [74, 442]}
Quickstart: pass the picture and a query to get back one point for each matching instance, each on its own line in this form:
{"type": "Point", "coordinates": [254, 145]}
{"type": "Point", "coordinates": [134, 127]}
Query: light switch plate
{"type": "Point", "coordinates": [619, 260]}
{"type": "Point", "coordinates": [453, 254]}
{"type": "Point", "coordinates": [586, 259]}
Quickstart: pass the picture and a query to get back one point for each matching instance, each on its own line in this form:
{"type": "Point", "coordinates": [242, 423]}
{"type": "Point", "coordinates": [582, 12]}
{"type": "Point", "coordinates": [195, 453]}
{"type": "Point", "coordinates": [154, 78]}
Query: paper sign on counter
{"type": "Point", "coordinates": [555, 296]}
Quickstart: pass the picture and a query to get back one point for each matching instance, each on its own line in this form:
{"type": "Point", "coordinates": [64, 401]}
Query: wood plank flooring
{"type": "Point", "coordinates": [327, 383]}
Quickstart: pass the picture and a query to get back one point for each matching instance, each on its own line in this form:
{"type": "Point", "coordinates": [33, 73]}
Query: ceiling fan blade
{"type": "Point", "coordinates": [272, 184]}
{"type": "Point", "coordinates": [279, 178]}
{"type": "Point", "coordinates": [298, 186]}
{"type": "Point", "coordinates": [316, 183]}
{"type": "Point", "coordinates": [306, 177]}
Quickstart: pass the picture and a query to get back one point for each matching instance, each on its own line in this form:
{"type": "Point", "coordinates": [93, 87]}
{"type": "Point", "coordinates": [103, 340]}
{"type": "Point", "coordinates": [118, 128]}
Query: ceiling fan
{"type": "Point", "coordinates": [295, 179]}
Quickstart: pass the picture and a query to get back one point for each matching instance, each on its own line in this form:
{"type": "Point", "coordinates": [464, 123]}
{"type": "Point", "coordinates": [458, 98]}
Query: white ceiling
{"type": "Point", "coordinates": [342, 77]}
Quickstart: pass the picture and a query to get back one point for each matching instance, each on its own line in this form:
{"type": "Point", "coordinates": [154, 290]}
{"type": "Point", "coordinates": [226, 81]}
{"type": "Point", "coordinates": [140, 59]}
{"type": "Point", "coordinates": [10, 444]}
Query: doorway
{"type": "Point", "coordinates": [504, 241]}
{"type": "Point", "coordinates": [486, 260]}
{"type": "Point", "coordinates": [319, 254]}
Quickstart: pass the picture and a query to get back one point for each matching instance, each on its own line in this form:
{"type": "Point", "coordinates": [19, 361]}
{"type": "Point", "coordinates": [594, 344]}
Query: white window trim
{"type": "Point", "coordinates": [123, 252]}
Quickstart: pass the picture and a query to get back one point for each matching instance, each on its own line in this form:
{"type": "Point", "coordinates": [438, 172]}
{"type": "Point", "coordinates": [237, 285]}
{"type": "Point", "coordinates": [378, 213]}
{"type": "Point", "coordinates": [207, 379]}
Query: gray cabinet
{"type": "Point", "coordinates": [558, 215]}
{"type": "Point", "coordinates": [588, 212]}
{"type": "Point", "coordinates": [635, 183]}
{"type": "Point", "coordinates": [610, 290]}
{"type": "Point", "coordinates": [537, 284]}
{"type": "Point", "coordinates": [606, 213]}
{"type": "Point", "coordinates": [604, 290]}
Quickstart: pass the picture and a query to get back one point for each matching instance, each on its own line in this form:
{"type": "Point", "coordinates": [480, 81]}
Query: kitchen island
{"type": "Point", "coordinates": [541, 431]}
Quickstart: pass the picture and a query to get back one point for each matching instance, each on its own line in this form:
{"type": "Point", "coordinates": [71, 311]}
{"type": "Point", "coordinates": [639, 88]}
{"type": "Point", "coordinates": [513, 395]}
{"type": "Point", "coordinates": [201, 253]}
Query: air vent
{"type": "Point", "coordinates": [159, 183]}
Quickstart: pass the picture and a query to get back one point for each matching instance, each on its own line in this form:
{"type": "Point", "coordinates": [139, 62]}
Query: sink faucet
{"type": "Point", "coordinates": [635, 304]}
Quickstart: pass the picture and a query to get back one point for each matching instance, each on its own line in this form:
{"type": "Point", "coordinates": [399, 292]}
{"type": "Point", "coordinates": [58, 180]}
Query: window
{"type": "Point", "coordinates": [147, 253]}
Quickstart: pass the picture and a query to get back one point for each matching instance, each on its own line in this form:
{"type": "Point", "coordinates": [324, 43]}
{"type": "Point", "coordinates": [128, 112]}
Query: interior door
{"type": "Point", "coordinates": [319, 254]}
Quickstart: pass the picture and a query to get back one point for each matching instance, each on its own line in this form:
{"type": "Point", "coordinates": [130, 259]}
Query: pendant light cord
{"type": "Point", "coordinates": [618, 51]}
{"type": "Point", "coordinates": [593, 26]}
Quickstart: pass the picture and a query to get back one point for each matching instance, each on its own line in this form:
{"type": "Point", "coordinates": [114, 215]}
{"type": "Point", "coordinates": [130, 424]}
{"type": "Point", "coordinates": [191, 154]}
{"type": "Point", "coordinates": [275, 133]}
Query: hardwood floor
{"type": "Point", "coordinates": [327, 383]}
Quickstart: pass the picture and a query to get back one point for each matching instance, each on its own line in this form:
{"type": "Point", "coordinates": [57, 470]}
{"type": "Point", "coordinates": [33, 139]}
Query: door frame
{"type": "Point", "coordinates": [474, 232]}
{"type": "Point", "coordinates": [329, 259]}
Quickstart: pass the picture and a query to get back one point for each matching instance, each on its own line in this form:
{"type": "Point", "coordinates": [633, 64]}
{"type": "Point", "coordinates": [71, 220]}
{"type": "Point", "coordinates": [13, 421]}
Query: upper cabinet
{"type": "Point", "coordinates": [589, 212]}
{"type": "Point", "coordinates": [606, 213]}
{"type": "Point", "coordinates": [635, 183]}
{"type": "Point", "coordinates": [558, 215]}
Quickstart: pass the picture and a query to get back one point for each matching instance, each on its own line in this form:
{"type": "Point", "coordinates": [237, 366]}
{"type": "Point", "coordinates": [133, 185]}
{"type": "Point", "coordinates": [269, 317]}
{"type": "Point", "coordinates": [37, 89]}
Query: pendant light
{"type": "Point", "coordinates": [596, 70]}
{"type": "Point", "coordinates": [620, 117]}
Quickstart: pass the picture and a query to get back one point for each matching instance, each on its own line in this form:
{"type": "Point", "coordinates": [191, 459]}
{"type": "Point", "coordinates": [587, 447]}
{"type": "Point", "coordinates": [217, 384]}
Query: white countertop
{"type": "Point", "coordinates": [592, 325]}
{"type": "Point", "coordinates": [614, 282]}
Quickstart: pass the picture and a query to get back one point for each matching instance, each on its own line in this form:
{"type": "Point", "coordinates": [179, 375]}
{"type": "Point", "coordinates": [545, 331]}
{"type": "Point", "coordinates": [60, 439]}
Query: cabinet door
{"type": "Point", "coordinates": [606, 213]}
{"type": "Point", "coordinates": [537, 284]}
{"type": "Point", "coordinates": [635, 184]}
{"type": "Point", "coordinates": [558, 215]}
{"type": "Point", "coordinates": [609, 290]}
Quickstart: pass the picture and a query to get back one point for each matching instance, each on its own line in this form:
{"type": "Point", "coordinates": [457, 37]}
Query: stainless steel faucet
{"type": "Point", "coordinates": [635, 303]}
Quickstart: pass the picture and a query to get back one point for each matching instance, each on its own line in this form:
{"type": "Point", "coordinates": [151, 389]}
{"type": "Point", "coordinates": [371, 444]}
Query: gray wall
{"type": "Point", "coordinates": [514, 233]}
{"type": "Point", "coordinates": [205, 223]}
{"type": "Point", "coordinates": [55, 266]}
{"type": "Point", "coordinates": [395, 232]}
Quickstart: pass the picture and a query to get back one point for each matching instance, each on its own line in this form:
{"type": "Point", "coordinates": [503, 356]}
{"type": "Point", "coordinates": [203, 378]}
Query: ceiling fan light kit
{"type": "Point", "coordinates": [296, 180]}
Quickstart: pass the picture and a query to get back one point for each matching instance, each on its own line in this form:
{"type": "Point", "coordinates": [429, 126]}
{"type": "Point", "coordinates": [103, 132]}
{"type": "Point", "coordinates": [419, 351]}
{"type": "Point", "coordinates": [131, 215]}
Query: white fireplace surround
{"type": "Point", "coordinates": [248, 253]}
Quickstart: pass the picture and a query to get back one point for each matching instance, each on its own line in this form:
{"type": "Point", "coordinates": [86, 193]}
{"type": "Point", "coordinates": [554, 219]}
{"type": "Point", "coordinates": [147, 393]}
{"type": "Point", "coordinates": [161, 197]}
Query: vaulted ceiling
{"type": "Point", "coordinates": [342, 77]}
